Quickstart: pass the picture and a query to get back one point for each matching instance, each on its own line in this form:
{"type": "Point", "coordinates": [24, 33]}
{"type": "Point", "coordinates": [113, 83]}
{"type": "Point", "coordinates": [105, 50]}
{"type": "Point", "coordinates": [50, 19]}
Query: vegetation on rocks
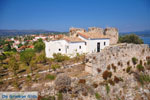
{"type": "Point", "coordinates": [97, 96]}
{"type": "Point", "coordinates": [128, 69]}
{"type": "Point", "coordinates": [107, 88]}
{"type": "Point", "coordinates": [55, 66]}
{"type": "Point", "coordinates": [134, 60]}
{"type": "Point", "coordinates": [50, 77]}
{"type": "Point", "coordinates": [60, 96]}
{"type": "Point", "coordinates": [41, 58]}
{"type": "Point", "coordinates": [131, 38]}
{"type": "Point", "coordinates": [140, 67]}
{"type": "Point", "coordinates": [59, 57]}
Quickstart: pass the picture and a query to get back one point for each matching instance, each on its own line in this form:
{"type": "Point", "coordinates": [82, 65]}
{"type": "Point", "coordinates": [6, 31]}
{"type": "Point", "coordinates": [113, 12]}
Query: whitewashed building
{"type": "Point", "coordinates": [82, 43]}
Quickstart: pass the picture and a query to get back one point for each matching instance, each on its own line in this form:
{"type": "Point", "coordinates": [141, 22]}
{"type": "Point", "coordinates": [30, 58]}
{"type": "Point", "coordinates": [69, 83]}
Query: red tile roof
{"type": "Point", "coordinates": [73, 39]}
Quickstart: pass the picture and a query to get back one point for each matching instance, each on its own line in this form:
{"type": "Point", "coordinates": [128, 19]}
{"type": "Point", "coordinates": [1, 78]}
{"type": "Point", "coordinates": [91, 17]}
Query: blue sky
{"type": "Point", "coordinates": [60, 15]}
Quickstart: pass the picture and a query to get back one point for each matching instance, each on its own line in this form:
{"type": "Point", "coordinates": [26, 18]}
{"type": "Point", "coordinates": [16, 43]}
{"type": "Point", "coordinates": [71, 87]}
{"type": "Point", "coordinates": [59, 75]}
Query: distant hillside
{"type": "Point", "coordinates": [24, 32]}
{"type": "Point", "coordinates": [139, 33]}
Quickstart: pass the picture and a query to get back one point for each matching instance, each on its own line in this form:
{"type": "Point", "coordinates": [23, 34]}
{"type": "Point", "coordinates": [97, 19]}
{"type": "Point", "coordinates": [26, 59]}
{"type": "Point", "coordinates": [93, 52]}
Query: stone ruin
{"type": "Point", "coordinates": [73, 31]}
{"type": "Point", "coordinates": [116, 55]}
{"type": "Point", "coordinates": [109, 32]}
{"type": "Point", "coordinates": [112, 33]}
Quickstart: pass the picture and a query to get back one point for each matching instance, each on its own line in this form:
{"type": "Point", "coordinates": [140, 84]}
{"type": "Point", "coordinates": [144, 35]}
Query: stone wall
{"type": "Point", "coordinates": [74, 31]}
{"type": "Point", "coordinates": [119, 55]}
{"type": "Point", "coordinates": [112, 33]}
{"type": "Point", "coordinates": [95, 30]}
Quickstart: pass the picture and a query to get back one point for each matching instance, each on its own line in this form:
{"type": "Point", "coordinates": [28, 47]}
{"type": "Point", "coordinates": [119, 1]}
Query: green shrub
{"type": "Point", "coordinates": [50, 77]}
{"type": "Point", "coordinates": [107, 88]}
{"type": "Point", "coordinates": [59, 96]}
{"type": "Point", "coordinates": [140, 67]}
{"type": "Point", "coordinates": [97, 96]}
{"type": "Point", "coordinates": [128, 69]}
{"type": "Point", "coordinates": [55, 66]}
{"type": "Point", "coordinates": [134, 60]}
{"type": "Point", "coordinates": [59, 57]}
{"type": "Point", "coordinates": [29, 78]}
{"type": "Point", "coordinates": [148, 62]}
{"type": "Point", "coordinates": [144, 78]}
{"type": "Point", "coordinates": [41, 58]}
{"type": "Point", "coordinates": [131, 38]}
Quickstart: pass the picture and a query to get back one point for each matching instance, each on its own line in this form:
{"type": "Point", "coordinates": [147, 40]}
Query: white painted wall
{"type": "Point", "coordinates": [92, 44]}
{"type": "Point", "coordinates": [71, 48]}
{"type": "Point", "coordinates": [74, 47]}
{"type": "Point", "coordinates": [52, 47]}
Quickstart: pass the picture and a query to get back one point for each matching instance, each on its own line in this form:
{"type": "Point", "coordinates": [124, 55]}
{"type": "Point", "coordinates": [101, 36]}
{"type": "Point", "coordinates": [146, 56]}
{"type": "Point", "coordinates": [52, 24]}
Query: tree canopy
{"type": "Point", "coordinates": [131, 38]}
{"type": "Point", "coordinates": [7, 47]}
{"type": "Point", "coordinates": [39, 45]}
{"type": "Point", "coordinates": [26, 56]}
{"type": "Point", "coordinates": [14, 66]}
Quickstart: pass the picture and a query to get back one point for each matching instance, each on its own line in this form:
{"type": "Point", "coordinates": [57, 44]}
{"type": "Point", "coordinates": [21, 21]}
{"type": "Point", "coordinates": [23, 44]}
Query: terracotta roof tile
{"type": "Point", "coordinates": [73, 39]}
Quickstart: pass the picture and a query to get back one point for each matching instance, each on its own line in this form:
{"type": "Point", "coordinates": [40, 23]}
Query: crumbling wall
{"type": "Point", "coordinates": [118, 56]}
{"type": "Point", "coordinates": [74, 31]}
{"type": "Point", "coordinates": [112, 33]}
{"type": "Point", "coordinates": [95, 30]}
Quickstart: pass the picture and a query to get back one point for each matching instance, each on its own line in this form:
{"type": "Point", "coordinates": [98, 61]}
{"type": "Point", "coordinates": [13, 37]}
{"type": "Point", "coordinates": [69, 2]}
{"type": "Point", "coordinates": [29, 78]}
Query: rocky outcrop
{"type": "Point", "coordinates": [119, 69]}
{"type": "Point", "coordinates": [117, 56]}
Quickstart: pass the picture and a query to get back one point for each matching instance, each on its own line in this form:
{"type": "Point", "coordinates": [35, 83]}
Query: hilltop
{"type": "Point", "coordinates": [26, 32]}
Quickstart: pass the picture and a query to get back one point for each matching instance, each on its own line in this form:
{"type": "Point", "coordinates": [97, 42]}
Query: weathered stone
{"type": "Point", "coordinates": [112, 33]}
{"type": "Point", "coordinates": [112, 55]}
{"type": "Point", "coordinates": [62, 82]}
{"type": "Point", "coordinates": [95, 30]}
{"type": "Point", "coordinates": [74, 31]}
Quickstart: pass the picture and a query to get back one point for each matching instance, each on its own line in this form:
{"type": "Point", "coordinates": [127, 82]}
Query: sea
{"type": "Point", "coordinates": [146, 40]}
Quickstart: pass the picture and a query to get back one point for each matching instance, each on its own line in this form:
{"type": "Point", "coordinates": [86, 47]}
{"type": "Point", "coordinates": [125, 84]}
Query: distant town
{"type": "Point", "coordinates": [62, 65]}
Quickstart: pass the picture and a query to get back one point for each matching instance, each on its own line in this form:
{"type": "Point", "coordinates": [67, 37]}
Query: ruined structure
{"type": "Point", "coordinates": [117, 55]}
{"type": "Point", "coordinates": [112, 33]}
{"type": "Point", "coordinates": [95, 30]}
{"type": "Point", "coordinates": [73, 31]}
{"type": "Point", "coordinates": [109, 32]}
